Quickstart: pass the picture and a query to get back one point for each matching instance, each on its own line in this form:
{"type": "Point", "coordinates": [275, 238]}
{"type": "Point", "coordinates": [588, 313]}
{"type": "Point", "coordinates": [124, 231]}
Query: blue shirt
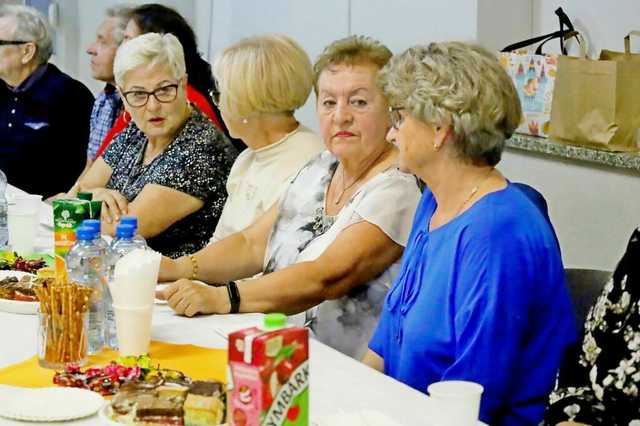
{"type": "Point", "coordinates": [106, 109]}
{"type": "Point", "coordinates": [481, 298]}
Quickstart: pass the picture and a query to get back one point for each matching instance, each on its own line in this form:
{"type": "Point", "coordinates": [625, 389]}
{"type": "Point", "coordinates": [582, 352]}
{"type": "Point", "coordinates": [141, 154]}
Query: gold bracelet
{"type": "Point", "coordinates": [194, 266]}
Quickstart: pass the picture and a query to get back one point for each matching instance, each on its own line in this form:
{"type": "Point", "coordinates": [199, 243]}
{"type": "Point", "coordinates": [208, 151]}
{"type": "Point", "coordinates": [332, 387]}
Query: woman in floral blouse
{"type": "Point", "coordinates": [609, 362]}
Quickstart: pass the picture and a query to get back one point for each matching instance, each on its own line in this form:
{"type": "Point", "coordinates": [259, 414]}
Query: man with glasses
{"type": "Point", "coordinates": [44, 113]}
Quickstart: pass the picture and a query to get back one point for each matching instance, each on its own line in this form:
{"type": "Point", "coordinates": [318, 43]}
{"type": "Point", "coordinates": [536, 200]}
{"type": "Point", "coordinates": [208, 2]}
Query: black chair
{"type": "Point", "coordinates": [585, 285]}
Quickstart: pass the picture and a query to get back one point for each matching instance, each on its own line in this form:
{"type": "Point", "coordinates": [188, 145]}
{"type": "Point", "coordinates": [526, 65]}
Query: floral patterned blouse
{"type": "Point", "coordinates": [610, 357]}
{"type": "Point", "coordinates": [196, 163]}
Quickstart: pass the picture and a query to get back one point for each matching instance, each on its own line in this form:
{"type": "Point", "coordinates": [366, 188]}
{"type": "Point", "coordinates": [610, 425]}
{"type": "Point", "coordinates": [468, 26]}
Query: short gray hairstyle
{"type": "Point", "coordinates": [147, 49]}
{"type": "Point", "coordinates": [30, 26]}
{"type": "Point", "coordinates": [459, 84]}
{"type": "Point", "coordinates": [122, 13]}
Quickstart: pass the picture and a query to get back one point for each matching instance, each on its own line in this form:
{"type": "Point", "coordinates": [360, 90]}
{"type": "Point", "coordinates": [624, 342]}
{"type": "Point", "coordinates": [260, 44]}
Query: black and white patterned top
{"type": "Point", "coordinates": [604, 391]}
{"type": "Point", "coordinates": [196, 163]}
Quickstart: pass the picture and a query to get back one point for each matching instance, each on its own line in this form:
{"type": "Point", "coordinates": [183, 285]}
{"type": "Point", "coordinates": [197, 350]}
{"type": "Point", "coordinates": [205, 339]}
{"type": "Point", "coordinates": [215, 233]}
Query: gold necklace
{"type": "Point", "coordinates": [360, 175]}
{"type": "Point", "coordinates": [473, 192]}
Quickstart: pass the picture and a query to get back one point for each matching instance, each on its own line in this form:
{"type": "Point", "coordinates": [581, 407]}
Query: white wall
{"type": "Point", "coordinates": [605, 23]}
{"type": "Point", "coordinates": [79, 21]}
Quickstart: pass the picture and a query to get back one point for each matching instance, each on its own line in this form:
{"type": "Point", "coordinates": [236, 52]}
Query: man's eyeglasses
{"type": "Point", "coordinates": [12, 42]}
{"type": "Point", "coordinates": [139, 98]}
{"type": "Point", "coordinates": [396, 117]}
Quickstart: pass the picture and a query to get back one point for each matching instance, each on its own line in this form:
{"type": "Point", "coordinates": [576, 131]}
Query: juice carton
{"type": "Point", "coordinates": [270, 374]}
{"type": "Point", "coordinates": [67, 216]}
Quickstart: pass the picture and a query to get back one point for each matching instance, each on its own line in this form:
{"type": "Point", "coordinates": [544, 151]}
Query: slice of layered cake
{"type": "Point", "coordinates": [152, 410]}
{"type": "Point", "coordinates": [205, 404]}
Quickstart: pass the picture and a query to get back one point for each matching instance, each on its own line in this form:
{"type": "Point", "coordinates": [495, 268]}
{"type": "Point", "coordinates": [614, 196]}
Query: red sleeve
{"type": "Point", "coordinates": [118, 126]}
{"type": "Point", "coordinates": [203, 105]}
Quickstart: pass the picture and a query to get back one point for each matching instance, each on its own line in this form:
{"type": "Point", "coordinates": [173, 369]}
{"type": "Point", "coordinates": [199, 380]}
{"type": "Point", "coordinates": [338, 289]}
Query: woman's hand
{"type": "Point", "coordinates": [188, 298]}
{"type": "Point", "coordinates": [114, 205]}
{"type": "Point", "coordinates": [174, 269]}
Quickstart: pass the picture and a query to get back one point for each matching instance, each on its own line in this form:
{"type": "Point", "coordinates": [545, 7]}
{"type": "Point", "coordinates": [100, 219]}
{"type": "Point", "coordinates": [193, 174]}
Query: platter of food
{"type": "Point", "coordinates": [144, 393]}
{"type": "Point", "coordinates": [16, 293]}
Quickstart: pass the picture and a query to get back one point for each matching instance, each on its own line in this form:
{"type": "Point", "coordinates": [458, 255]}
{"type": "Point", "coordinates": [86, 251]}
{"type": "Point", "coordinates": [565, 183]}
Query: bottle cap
{"type": "Point", "coordinates": [124, 230]}
{"type": "Point", "coordinates": [85, 233]}
{"type": "Point", "coordinates": [85, 196]}
{"type": "Point", "coordinates": [275, 320]}
{"type": "Point", "coordinates": [129, 220]}
{"type": "Point", "coordinates": [93, 224]}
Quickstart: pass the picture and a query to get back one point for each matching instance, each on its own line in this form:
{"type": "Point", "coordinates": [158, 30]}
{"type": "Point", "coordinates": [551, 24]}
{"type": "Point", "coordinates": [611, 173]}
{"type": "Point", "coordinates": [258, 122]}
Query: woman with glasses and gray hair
{"type": "Point", "coordinates": [44, 113]}
{"type": "Point", "coordinates": [481, 293]}
{"type": "Point", "coordinates": [169, 166]}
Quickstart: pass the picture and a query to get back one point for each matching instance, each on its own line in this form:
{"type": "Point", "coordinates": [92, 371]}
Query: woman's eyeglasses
{"type": "Point", "coordinates": [396, 117]}
{"type": "Point", "coordinates": [139, 98]}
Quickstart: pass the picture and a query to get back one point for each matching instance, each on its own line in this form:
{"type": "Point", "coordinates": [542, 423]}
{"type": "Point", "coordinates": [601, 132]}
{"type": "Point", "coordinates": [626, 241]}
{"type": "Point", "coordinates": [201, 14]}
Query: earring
{"type": "Point", "coordinates": [436, 146]}
{"type": "Point", "coordinates": [245, 121]}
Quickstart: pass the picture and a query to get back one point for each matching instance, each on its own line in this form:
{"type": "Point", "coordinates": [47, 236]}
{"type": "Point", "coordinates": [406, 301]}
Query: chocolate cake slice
{"type": "Point", "coordinates": [205, 404]}
{"type": "Point", "coordinates": [151, 410]}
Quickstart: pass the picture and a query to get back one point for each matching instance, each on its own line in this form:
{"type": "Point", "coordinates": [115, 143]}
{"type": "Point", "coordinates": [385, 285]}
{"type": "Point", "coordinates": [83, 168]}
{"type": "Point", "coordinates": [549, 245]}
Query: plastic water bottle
{"type": "Point", "coordinates": [4, 226]}
{"type": "Point", "coordinates": [88, 267]}
{"type": "Point", "coordinates": [137, 238]}
{"type": "Point", "coordinates": [100, 242]}
{"type": "Point", "coordinates": [123, 242]}
{"type": "Point", "coordinates": [110, 338]}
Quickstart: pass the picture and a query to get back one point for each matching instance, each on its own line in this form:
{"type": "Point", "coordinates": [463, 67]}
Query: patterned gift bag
{"type": "Point", "coordinates": [534, 77]}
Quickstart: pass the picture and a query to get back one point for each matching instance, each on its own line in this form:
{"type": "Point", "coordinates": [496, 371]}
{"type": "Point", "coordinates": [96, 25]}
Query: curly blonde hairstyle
{"type": "Point", "coordinates": [459, 84]}
{"type": "Point", "coordinates": [269, 73]}
{"type": "Point", "coordinates": [355, 49]}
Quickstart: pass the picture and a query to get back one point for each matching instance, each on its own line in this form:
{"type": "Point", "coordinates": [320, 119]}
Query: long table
{"type": "Point", "coordinates": [337, 382]}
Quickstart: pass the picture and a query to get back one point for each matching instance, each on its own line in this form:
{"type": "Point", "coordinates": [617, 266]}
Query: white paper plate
{"type": "Point", "coordinates": [15, 306]}
{"type": "Point", "coordinates": [49, 404]}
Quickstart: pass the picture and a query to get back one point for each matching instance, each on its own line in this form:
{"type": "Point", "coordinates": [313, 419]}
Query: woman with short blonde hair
{"type": "Point", "coordinates": [263, 74]}
{"type": "Point", "coordinates": [263, 80]}
{"type": "Point", "coordinates": [481, 294]}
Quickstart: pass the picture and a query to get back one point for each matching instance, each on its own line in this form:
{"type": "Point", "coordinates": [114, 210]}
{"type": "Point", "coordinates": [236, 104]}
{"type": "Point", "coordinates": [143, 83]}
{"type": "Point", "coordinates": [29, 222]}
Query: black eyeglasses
{"type": "Point", "coordinates": [396, 117]}
{"type": "Point", "coordinates": [139, 98]}
{"type": "Point", "coordinates": [12, 42]}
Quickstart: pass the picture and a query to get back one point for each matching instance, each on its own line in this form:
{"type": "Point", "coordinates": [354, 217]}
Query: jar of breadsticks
{"type": "Point", "coordinates": [62, 322]}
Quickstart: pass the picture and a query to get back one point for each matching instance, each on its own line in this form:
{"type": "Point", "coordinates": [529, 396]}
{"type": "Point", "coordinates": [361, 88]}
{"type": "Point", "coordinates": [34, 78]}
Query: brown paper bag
{"type": "Point", "coordinates": [607, 55]}
{"type": "Point", "coordinates": [597, 103]}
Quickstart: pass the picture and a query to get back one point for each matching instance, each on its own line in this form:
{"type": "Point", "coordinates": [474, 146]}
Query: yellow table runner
{"type": "Point", "coordinates": [194, 361]}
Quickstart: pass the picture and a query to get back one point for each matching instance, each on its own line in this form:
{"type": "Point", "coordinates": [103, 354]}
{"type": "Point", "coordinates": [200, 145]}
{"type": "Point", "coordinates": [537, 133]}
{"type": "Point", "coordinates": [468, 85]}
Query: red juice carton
{"type": "Point", "coordinates": [270, 374]}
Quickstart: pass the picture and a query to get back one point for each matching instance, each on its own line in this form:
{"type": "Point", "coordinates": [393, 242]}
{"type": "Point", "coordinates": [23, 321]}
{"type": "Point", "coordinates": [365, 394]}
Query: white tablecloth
{"type": "Point", "coordinates": [337, 382]}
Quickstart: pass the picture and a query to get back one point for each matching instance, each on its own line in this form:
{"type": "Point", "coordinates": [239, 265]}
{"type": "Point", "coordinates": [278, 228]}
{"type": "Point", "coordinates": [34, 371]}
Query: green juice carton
{"type": "Point", "coordinates": [269, 368]}
{"type": "Point", "coordinates": [67, 216]}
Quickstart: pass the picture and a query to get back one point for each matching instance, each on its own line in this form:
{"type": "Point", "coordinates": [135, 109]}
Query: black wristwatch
{"type": "Point", "coordinates": [234, 297]}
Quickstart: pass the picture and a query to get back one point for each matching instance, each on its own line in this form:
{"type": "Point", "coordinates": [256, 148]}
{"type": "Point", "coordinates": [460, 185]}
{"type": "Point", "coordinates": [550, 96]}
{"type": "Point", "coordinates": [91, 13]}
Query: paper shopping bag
{"type": "Point", "coordinates": [597, 103]}
{"type": "Point", "coordinates": [622, 56]}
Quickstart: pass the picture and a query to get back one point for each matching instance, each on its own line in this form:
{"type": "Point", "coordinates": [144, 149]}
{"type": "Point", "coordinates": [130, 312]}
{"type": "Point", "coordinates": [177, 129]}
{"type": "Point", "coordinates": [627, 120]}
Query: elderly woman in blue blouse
{"type": "Point", "coordinates": [169, 166]}
{"type": "Point", "coordinates": [481, 293]}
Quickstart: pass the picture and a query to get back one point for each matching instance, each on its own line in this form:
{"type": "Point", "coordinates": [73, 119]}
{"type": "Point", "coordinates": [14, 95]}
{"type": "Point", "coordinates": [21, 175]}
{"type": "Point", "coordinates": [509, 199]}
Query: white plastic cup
{"type": "Point", "coordinates": [133, 328]}
{"type": "Point", "coordinates": [455, 402]}
{"type": "Point", "coordinates": [24, 217]}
